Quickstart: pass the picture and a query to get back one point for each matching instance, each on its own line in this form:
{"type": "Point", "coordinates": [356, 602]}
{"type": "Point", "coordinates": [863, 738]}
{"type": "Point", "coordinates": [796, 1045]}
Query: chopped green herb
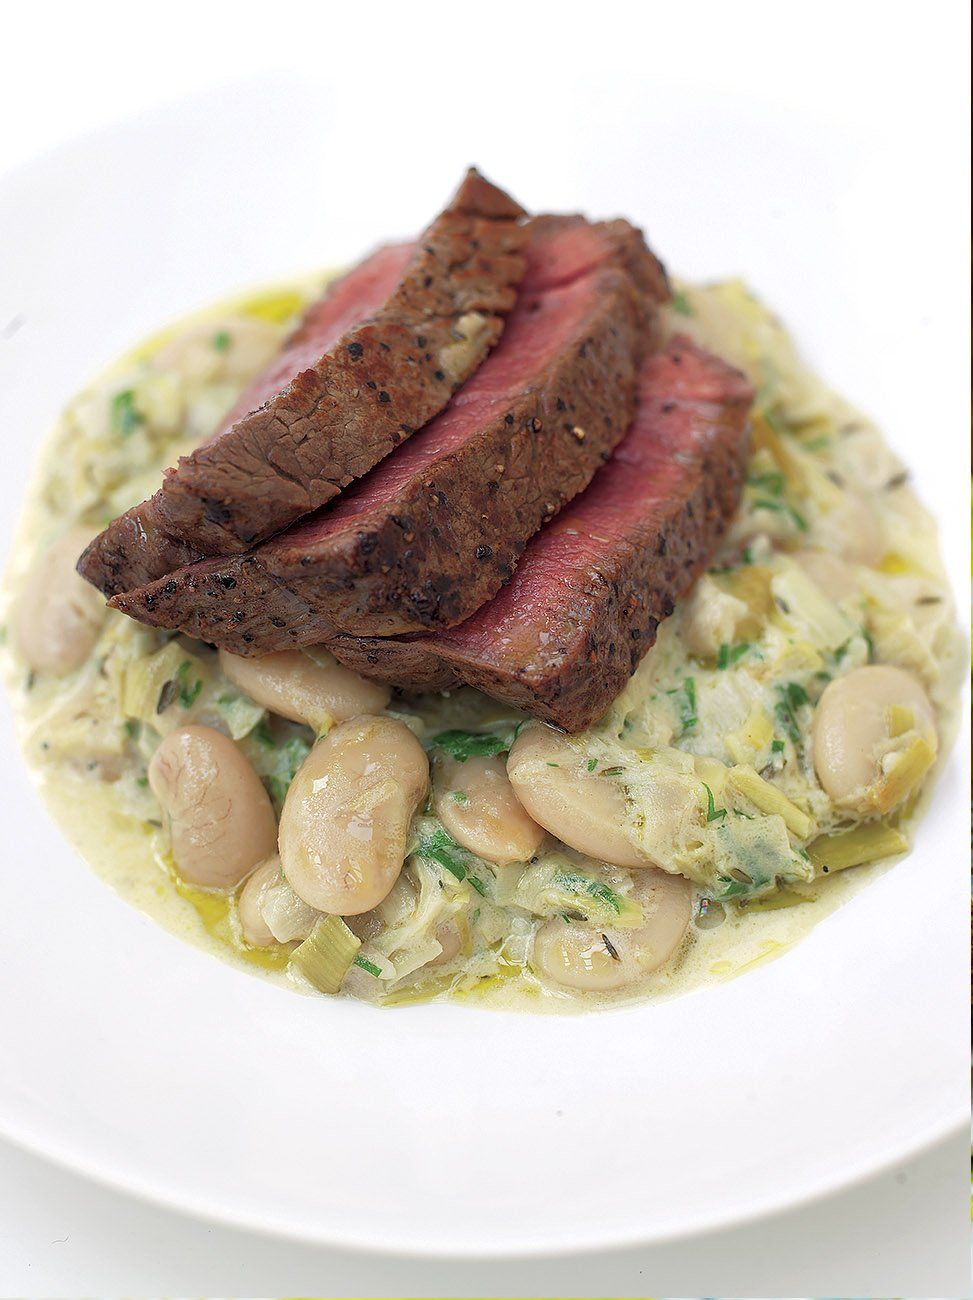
{"type": "Point", "coordinates": [592, 764]}
{"type": "Point", "coordinates": [777, 747]}
{"type": "Point", "coordinates": [792, 698]}
{"type": "Point", "coordinates": [462, 745]}
{"type": "Point", "coordinates": [290, 756]}
{"type": "Point", "coordinates": [554, 765]}
{"type": "Point", "coordinates": [442, 848]}
{"type": "Point", "coordinates": [575, 883]}
{"type": "Point", "coordinates": [732, 888]}
{"type": "Point", "coordinates": [459, 796]}
{"type": "Point", "coordinates": [222, 340]}
{"type": "Point", "coordinates": [771, 481]}
{"type": "Point", "coordinates": [681, 304]}
{"type": "Point", "coordinates": [125, 415]}
{"type": "Point", "coordinates": [687, 714]}
{"type": "Point", "coordinates": [728, 655]}
{"type": "Point", "coordinates": [263, 735]}
{"type": "Point", "coordinates": [782, 508]}
{"type": "Point", "coordinates": [612, 771]}
{"type": "Point", "coordinates": [142, 781]}
{"type": "Point", "coordinates": [133, 727]}
{"type": "Point", "coordinates": [187, 692]}
{"type": "Point", "coordinates": [870, 643]}
{"type": "Point", "coordinates": [367, 965]}
{"type": "Point", "coordinates": [747, 556]}
{"type": "Point", "coordinates": [712, 812]}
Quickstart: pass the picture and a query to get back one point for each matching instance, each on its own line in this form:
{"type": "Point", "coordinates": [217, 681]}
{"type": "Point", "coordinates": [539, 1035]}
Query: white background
{"type": "Point", "coordinates": [532, 91]}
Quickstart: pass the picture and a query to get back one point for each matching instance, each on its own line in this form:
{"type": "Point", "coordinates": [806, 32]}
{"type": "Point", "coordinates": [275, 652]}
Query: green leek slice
{"type": "Point", "coordinates": [325, 955]}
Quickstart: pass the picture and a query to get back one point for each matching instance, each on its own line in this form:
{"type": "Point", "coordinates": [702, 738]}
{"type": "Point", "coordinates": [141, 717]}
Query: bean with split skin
{"type": "Point", "coordinates": [255, 929]}
{"type": "Point", "coordinates": [292, 685]}
{"type": "Point", "coordinates": [478, 806]}
{"type": "Point", "coordinates": [584, 809]}
{"type": "Point", "coordinates": [346, 817]}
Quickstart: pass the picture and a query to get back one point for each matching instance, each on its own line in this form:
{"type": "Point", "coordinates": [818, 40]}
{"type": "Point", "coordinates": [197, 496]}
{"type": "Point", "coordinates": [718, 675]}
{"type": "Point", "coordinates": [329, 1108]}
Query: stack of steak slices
{"type": "Point", "coordinates": [565, 634]}
{"type": "Point", "coordinates": [417, 573]}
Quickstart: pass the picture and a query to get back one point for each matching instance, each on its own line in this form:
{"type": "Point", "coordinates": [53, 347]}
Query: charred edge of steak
{"type": "Point", "coordinates": [368, 392]}
{"type": "Point", "coordinates": [124, 555]}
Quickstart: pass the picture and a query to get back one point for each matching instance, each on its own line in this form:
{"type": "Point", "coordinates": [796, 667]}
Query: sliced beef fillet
{"type": "Point", "coordinates": [374, 362]}
{"type": "Point", "coordinates": [436, 529]}
{"type": "Point", "coordinates": [562, 638]}
{"type": "Point", "coordinates": [133, 549]}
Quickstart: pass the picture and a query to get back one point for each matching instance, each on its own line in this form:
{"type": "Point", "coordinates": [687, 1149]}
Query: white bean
{"type": "Point", "coordinates": [476, 803]}
{"type": "Point", "coordinates": [593, 960]}
{"type": "Point", "coordinates": [58, 615]}
{"type": "Point", "coordinates": [584, 810]}
{"type": "Point", "coordinates": [292, 685]}
{"type": "Point", "coordinates": [852, 728]}
{"type": "Point", "coordinates": [220, 818]}
{"type": "Point", "coordinates": [255, 929]}
{"type": "Point", "coordinates": [346, 816]}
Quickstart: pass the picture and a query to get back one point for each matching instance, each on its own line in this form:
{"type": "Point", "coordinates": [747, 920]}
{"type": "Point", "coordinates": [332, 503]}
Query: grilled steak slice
{"type": "Point", "coordinates": [335, 411]}
{"type": "Point", "coordinates": [435, 530]}
{"type": "Point", "coordinates": [562, 638]}
{"type": "Point", "coordinates": [133, 549]}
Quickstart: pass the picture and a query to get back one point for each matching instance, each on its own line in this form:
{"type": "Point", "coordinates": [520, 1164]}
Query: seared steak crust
{"type": "Point", "coordinates": [434, 532]}
{"type": "Point", "coordinates": [334, 416]}
{"type": "Point", "coordinates": [583, 606]}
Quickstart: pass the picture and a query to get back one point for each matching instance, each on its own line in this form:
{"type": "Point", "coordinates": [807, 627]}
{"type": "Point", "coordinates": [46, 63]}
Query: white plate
{"type": "Point", "coordinates": [446, 1129]}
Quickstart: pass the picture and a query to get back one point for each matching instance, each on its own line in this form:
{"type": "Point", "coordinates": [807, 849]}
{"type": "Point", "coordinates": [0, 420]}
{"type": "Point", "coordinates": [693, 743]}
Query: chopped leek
{"type": "Point", "coordinates": [751, 584]}
{"type": "Point", "coordinates": [770, 800]}
{"type": "Point", "coordinates": [901, 720]}
{"type": "Point", "coordinates": [152, 685]}
{"type": "Point", "coordinates": [752, 737]}
{"type": "Point", "coordinates": [865, 843]}
{"type": "Point", "coordinates": [804, 604]}
{"type": "Point", "coordinates": [904, 774]}
{"type": "Point", "coordinates": [239, 713]}
{"type": "Point", "coordinates": [325, 955]}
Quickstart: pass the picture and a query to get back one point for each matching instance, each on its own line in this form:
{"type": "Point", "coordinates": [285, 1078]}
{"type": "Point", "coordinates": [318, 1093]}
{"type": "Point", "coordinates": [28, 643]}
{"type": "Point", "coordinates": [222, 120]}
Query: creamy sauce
{"type": "Point", "coordinates": [87, 743]}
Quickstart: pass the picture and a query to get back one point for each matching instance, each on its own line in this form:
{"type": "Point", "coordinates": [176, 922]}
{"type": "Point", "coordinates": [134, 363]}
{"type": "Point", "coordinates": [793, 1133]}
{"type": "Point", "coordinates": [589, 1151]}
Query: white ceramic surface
{"type": "Point", "coordinates": [445, 1129]}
